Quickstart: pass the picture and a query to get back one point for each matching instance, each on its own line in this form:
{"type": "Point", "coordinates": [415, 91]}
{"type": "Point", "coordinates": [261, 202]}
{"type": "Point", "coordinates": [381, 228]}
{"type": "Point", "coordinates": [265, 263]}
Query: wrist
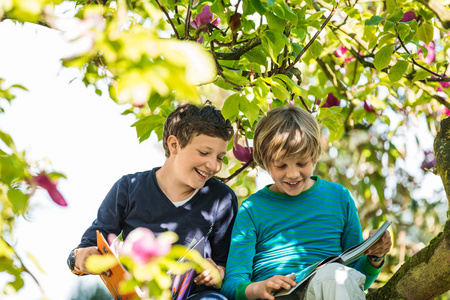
{"type": "Point", "coordinates": [71, 261]}
{"type": "Point", "coordinates": [373, 258]}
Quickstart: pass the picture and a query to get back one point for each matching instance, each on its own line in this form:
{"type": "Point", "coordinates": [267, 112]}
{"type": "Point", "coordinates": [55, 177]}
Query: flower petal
{"type": "Point", "coordinates": [45, 182]}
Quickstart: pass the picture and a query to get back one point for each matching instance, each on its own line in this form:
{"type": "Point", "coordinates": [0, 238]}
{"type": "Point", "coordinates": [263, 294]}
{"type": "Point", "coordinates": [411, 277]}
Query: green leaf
{"type": "Point", "coordinates": [250, 109]}
{"type": "Point", "coordinates": [421, 75]}
{"type": "Point", "coordinates": [231, 106]}
{"type": "Point", "coordinates": [352, 12]}
{"type": "Point", "coordinates": [397, 71]}
{"type": "Point", "coordinates": [296, 89]}
{"type": "Point", "coordinates": [19, 201]}
{"type": "Point", "coordinates": [6, 138]}
{"type": "Point", "coordinates": [273, 41]}
{"type": "Point", "coordinates": [374, 20]}
{"type": "Point", "coordinates": [155, 101]}
{"type": "Point", "coordinates": [235, 76]}
{"type": "Point", "coordinates": [279, 89]}
{"type": "Point", "coordinates": [391, 5]}
{"type": "Point", "coordinates": [257, 5]}
{"type": "Point", "coordinates": [282, 10]}
{"type": "Point", "coordinates": [145, 126]}
{"type": "Point", "coordinates": [425, 33]}
{"type": "Point", "coordinates": [316, 49]}
{"type": "Point", "coordinates": [396, 16]}
{"type": "Point", "coordinates": [383, 57]}
{"type": "Point", "coordinates": [275, 22]}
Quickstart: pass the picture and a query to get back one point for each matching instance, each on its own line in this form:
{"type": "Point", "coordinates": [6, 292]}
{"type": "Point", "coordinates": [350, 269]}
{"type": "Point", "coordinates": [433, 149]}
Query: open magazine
{"type": "Point", "coordinates": [347, 257]}
{"type": "Point", "coordinates": [118, 273]}
{"type": "Point", "coordinates": [182, 284]}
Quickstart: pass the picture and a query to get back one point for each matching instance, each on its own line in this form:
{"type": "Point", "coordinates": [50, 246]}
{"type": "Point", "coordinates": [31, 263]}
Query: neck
{"type": "Point", "coordinates": [171, 186]}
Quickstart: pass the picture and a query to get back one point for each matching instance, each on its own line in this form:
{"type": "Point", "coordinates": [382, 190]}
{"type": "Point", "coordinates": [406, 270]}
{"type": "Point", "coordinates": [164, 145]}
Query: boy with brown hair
{"type": "Point", "coordinates": [297, 221]}
{"type": "Point", "coordinates": [181, 196]}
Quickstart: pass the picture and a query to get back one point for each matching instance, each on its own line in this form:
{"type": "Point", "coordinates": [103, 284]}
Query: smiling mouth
{"type": "Point", "coordinates": [293, 183]}
{"type": "Point", "coordinates": [205, 175]}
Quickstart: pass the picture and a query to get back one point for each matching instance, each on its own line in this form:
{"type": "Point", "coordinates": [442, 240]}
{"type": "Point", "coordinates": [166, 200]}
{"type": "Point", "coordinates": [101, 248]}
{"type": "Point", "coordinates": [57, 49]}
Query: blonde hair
{"type": "Point", "coordinates": [286, 132]}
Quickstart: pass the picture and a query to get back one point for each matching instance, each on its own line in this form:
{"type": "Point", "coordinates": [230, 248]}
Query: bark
{"type": "Point", "coordinates": [426, 275]}
{"type": "Point", "coordinates": [442, 13]}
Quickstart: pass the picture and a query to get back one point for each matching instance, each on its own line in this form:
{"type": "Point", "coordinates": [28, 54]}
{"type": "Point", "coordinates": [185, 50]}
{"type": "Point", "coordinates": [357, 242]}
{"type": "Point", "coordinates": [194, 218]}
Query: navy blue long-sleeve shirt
{"type": "Point", "coordinates": [136, 200]}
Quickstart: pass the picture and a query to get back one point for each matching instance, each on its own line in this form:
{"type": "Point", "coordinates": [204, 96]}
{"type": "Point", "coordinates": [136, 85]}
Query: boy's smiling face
{"type": "Point", "coordinates": [200, 160]}
{"type": "Point", "coordinates": [291, 175]}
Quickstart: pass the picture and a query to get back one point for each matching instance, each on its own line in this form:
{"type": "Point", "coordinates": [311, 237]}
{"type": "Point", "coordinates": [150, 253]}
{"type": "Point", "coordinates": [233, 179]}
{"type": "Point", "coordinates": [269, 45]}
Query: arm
{"type": "Point", "coordinates": [108, 220]}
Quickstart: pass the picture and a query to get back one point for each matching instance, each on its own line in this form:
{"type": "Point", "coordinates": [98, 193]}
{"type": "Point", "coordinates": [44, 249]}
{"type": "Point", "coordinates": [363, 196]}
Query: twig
{"type": "Point", "coordinates": [239, 52]}
{"type": "Point", "coordinates": [188, 18]}
{"type": "Point", "coordinates": [314, 38]}
{"type": "Point", "coordinates": [304, 104]}
{"type": "Point", "coordinates": [413, 60]}
{"type": "Point", "coordinates": [237, 172]}
{"type": "Point", "coordinates": [168, 18]}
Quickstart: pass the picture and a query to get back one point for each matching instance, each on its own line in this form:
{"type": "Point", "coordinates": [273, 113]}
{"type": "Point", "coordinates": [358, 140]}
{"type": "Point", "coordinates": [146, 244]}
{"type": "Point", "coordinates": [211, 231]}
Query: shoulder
{"type": "Point", "coordinates": [138, 177]}
{"type": "Point", "coordinates": [326, 186]}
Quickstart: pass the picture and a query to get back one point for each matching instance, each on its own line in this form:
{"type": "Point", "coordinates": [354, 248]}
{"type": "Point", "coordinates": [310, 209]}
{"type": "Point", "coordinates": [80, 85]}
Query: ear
{"type": "Point", "coordinates": [172, 143]}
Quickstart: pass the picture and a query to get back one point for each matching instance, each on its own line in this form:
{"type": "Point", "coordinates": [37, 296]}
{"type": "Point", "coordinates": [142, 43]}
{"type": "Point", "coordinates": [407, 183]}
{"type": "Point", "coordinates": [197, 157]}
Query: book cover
{"type": "Point", "coordinates": [182, 284]}
{"type": "Point", "coordinates": [347, 257]}
{"type": "Point", "coordinates": [118, 273]}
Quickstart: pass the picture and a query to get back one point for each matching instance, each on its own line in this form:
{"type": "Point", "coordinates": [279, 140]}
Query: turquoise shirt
{"type": "Point", "coordinates": [278, 234]}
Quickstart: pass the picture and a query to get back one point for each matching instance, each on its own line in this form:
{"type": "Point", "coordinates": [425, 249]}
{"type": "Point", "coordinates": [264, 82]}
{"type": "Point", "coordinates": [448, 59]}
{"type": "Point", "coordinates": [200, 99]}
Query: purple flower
{"type": "Point", "coordinates": [43, 181]}
{"type": "Point", "coordinates": [445, 84]}
{"type": "Point", "coordinates": [409, 16]}
{"type": "Point", "coordinates": [430, 56]}
{"type": "Point", "coordinates": [368, 107]}
{"type": "Point", "coordinates": [241, 153]}
{"type": "Point", "coordinates": [142, 245]}
{"type": "Point", "coordinates": [331, 101]}
{"type": "Point", "coordinates": [429, 162]}
{"type": "Point", "coordinates": [203, 18]}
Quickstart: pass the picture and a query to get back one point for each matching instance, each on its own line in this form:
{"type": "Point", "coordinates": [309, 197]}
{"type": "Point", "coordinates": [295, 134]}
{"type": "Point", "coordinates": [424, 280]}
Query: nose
{"type": "Point", "coordinates": [214, 165]}
{"type": "Point", "coordinates": [293, 172]}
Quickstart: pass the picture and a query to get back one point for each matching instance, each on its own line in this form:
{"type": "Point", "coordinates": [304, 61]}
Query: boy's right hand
{"type": "Point", "coordinates": [264, 289]}
{"type": "Point", "coordinates": [81, 257]}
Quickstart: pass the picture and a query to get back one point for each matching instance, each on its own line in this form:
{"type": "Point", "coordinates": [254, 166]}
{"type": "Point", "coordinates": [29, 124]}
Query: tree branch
{"type": "Point", "coordinates": [314, 38]}
{"type": "Point", "coordinates": [238, 171]}
{"type": "Point", "coordinates": [442, 12]}
{"type": "Point", "coordinates": [239, 52]}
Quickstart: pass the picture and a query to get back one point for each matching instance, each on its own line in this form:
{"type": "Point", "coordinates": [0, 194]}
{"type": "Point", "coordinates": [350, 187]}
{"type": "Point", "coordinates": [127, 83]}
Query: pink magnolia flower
{"type": "Point", "coordinates": [368, 107]}
{"type": "Point", "coordinates": [409, 16]}
{"type": "Point", "coordinates": [203, 18]}
{"type": "Point", "coordinates": [43, 181]}
{"type": "Point", "coordinates": [430, 56]}
{"type": "Point", "coordinates": [341, 51]}
{"type": "Point", "coordinates": [331, 101]}
{"type": "Point", "coordinates": [429, 161]}
{"type": "Point", "coordinates": [142, 245]}
{"type": "Point", "coordinates": [241, 153]}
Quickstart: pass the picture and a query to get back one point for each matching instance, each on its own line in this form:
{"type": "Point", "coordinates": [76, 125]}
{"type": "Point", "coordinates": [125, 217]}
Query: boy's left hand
{"type": "Point", "coordinates": [381, 247]}
{"type": "Point", "coordinates": [207, 279]}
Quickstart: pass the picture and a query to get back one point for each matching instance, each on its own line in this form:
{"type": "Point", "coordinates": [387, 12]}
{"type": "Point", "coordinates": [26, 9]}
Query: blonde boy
{"type": "Point", "coordinates": [298, 220]}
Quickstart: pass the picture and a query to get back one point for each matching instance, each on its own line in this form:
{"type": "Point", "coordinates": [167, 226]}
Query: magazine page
{"type": "Point", "coordinates": [118, 273]}
{"type": "Point", "coordinates": [356, 252]}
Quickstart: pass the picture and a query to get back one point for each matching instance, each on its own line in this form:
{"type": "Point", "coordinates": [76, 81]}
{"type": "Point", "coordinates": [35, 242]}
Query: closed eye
{"type": "Point", "coordinates": [202, 153]}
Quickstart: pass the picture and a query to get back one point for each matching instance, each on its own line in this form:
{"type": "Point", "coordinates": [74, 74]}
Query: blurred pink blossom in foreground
{"type": "Point", "coordinates": [203, 18]}
{"type": "Point", "coordinates": [142, 245]}
{"type": "Point", "coordinates": [45, 182]}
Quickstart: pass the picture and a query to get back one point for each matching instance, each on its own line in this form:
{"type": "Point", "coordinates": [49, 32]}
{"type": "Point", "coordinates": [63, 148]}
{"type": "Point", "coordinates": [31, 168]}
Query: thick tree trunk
{"type": "Point", "coordinates": [426, 275]}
